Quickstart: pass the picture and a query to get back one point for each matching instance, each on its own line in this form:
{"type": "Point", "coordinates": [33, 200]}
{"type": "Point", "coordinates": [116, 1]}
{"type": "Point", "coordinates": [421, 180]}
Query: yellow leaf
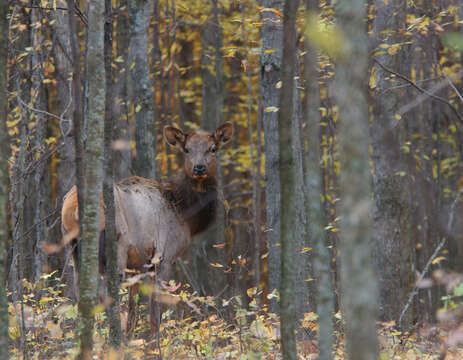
{"type": "Point", "coordinates": [271, 109]}
{"type": "Point", "coordinates": [269, 51]}
{"type": "Point", "coordinates": [438, 259]}
{"type": "Point", "coordinates": [251, 292]}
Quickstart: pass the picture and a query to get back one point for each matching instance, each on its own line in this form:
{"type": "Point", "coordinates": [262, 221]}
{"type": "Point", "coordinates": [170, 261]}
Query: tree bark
{"type": "Point", "coordinates": [286, 120]}
{"type": "Point", "coordinates": [94, 157]}
{"type": "Point", "coordinates": [4, 182]}
{"type": "Point", "coordinates": [77, 115]}
{"type": "Point", "coordinates": [212, 76]}
{"type": "Point", "coordinates": [143, 101]}
{"type": "Point", "coordinates": [270, 66]}
{"type": "Point", "coordinates": [255, 170]}
{"type": "Point", "coordinates": [41, 178]}
{"type": "Point", "coordinates": [391, 194]}
{"type": "Point", "coordinates": [358, 282]}
{"type": "Point", "coordinates": [322, 258]}
{"type": "Point", "coordinates": [111, 266]}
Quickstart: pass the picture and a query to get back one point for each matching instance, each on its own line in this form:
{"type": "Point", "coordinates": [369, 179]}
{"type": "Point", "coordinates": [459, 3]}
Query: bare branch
{"type": "Point", "coordinates": [433, 256]}
{"type": "Point", "coordinates": [420, 89]}
{"type": "Point", "coordinates": [454, 87]}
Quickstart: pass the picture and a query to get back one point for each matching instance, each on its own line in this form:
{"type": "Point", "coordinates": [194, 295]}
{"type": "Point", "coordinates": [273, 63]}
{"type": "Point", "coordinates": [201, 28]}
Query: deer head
{"type": "Point", "coordinates": [199, 148]}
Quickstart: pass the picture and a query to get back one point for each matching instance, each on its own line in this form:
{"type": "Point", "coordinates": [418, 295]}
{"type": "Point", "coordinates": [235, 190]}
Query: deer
{"type": "Point", "coordinates": [155, 222]}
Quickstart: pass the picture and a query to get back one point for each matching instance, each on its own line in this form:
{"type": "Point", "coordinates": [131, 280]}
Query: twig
{"type": "Point", "coordinates": [21, 101]}
{"type": "Point", "coordinates": [453, 87]}
{"type": "Point", "coordinates": [77, 11]}
{"type": "Point", "coordinates": [433, 256]}
{"type": "Point", "coordinates": [420, 89]}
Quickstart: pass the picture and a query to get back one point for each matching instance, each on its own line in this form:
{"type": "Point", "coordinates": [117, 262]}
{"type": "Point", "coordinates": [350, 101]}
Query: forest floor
{"type": "Point", "coordinates": [201, 328]}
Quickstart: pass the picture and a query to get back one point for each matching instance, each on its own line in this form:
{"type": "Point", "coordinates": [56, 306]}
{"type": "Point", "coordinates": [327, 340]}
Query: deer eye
{"type": "Point", "coordinates": [186, 150]}
{"type": "Point", "coordinates": [213, 149]}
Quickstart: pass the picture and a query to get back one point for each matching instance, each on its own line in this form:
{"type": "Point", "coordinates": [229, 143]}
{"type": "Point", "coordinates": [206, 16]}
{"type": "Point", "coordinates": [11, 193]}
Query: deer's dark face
{"type": "Point", "coordinates": [199, 148]}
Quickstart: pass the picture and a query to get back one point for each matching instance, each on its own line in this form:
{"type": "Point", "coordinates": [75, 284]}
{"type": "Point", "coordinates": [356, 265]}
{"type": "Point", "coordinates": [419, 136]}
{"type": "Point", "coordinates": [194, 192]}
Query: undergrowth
{"type": "Point", "coordinates": [45, 326]}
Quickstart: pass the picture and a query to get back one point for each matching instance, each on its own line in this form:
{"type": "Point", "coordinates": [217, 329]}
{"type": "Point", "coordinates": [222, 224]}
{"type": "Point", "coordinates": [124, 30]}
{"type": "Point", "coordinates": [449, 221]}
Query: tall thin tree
{"type": "Point", "coordinates": [112, 272]}
{"type": "Point", "coordinates": [140, 84]}
{"type": "Point", "coordinates": [358, 284]}
{"type": "Point", "coordinates": [4, 182]}
{"type": "Point", "coordinates": [391, 193]}
{"type": "Point", "coordinates": [289, 250]}
{"type": "Point", "coordinates": [270, 63]}
{"type": "Point", "coordinates": [322, 259]}
{"type": "Point", "coordinates": [94, 158]}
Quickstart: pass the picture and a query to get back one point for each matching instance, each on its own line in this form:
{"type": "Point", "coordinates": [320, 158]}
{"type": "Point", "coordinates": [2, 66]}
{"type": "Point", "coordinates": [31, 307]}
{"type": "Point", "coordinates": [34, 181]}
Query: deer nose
{"type": "Point", "coordinates": [199, 169]}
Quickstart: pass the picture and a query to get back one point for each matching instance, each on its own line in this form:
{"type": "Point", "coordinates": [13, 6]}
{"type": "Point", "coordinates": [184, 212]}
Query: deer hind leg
{"type": "Point", "coordinates": [132, 315]}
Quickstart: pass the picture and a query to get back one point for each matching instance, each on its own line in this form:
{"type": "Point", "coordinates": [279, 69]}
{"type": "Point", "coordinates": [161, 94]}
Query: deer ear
{"type": "Point", "coordinates": [174, 137]}
{"type": "Point", "coordinates": [224, 134]}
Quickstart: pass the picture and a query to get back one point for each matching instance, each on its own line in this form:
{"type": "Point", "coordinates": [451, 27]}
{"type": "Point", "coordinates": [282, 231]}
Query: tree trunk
{"type": "Point", "coordinates": [358, 282]}
{"type": "Point", "coordinates": [123, 157]}
{"type": "Point", "coordinates": [286, 120]}
{"type": "Point", "coordinates": [41, 179]}
{"type": "Point", "coordinates": [212, 75]}
{"type": "Point", "coordinates": [77, 115]}
{"type": "Point", "coordinates": [270, 65]}
{"type": "Point", "coordinates": [4, 182]}
{"type": "Point", "coordinates": [94, 157]}
{"type": "Point", "coordinates": [302, 257]}
{"type": "Point", "coordinates": [140, 85]}
{"type": "Point", "coordinates": [255, 170]}
{"type": "Point", "coordinates": [322, 258]}
{"type": "Point", "coordinates": [110, 245]}
{"type": "Point", "coordinates": [391, 194]}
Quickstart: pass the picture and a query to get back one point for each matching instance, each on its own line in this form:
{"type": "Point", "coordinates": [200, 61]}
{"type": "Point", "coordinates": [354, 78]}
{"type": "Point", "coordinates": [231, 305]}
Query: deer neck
{"type": "Point", "coordinates": [196, 202]}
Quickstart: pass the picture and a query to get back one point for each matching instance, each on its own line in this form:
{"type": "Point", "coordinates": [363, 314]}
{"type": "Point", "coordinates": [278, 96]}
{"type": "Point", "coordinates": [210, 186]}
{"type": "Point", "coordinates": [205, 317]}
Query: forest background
{"type": "Point", "coordinates": [347, 153]}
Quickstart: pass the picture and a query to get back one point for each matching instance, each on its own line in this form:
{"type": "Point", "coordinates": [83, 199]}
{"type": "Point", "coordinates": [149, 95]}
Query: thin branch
{"type": "Point", "coordinates": [21, 101]}
{"type": "Point", "coordinates": [454, 87]}
{"type": "Point", "coordinates": [77, 10]}
{"type": "Point", "coordinates": [419, 88]}
{"type": "Point", "coordinates": [433, 256]}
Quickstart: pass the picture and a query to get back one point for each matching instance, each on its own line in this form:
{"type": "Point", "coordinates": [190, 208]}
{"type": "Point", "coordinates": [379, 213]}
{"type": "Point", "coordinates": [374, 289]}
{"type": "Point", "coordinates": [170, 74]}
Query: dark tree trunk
{"type": "Point", "coordinates": [289, 244]}
{"type": "Point", "coordinates": [77, 115]}
{"type": "Point", "coordinates": [255, 169]}
{"type": "Point", "coordinates": [391, 194]}
{"type": "Point", "coordinates": [123, 157]}
{"type": "Point", "coordinates": [94, 157]}
{"type": "Point", "coordinates": [41, 180]}
{"type": "Point", "coordinates": [270, 65]}
{"type": "Point", "coordinates": [111, 266]}
{"type": "Point", "coordinates": [4, 182]}
{"type": "Point", "coordinates": [212, 75]}
{"type": "Point", "coordinates": [322, 259]}
{"type": "Point", "coordinates": [359, 298]}
{"type": "Point", "coordinates": [140, 85]}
